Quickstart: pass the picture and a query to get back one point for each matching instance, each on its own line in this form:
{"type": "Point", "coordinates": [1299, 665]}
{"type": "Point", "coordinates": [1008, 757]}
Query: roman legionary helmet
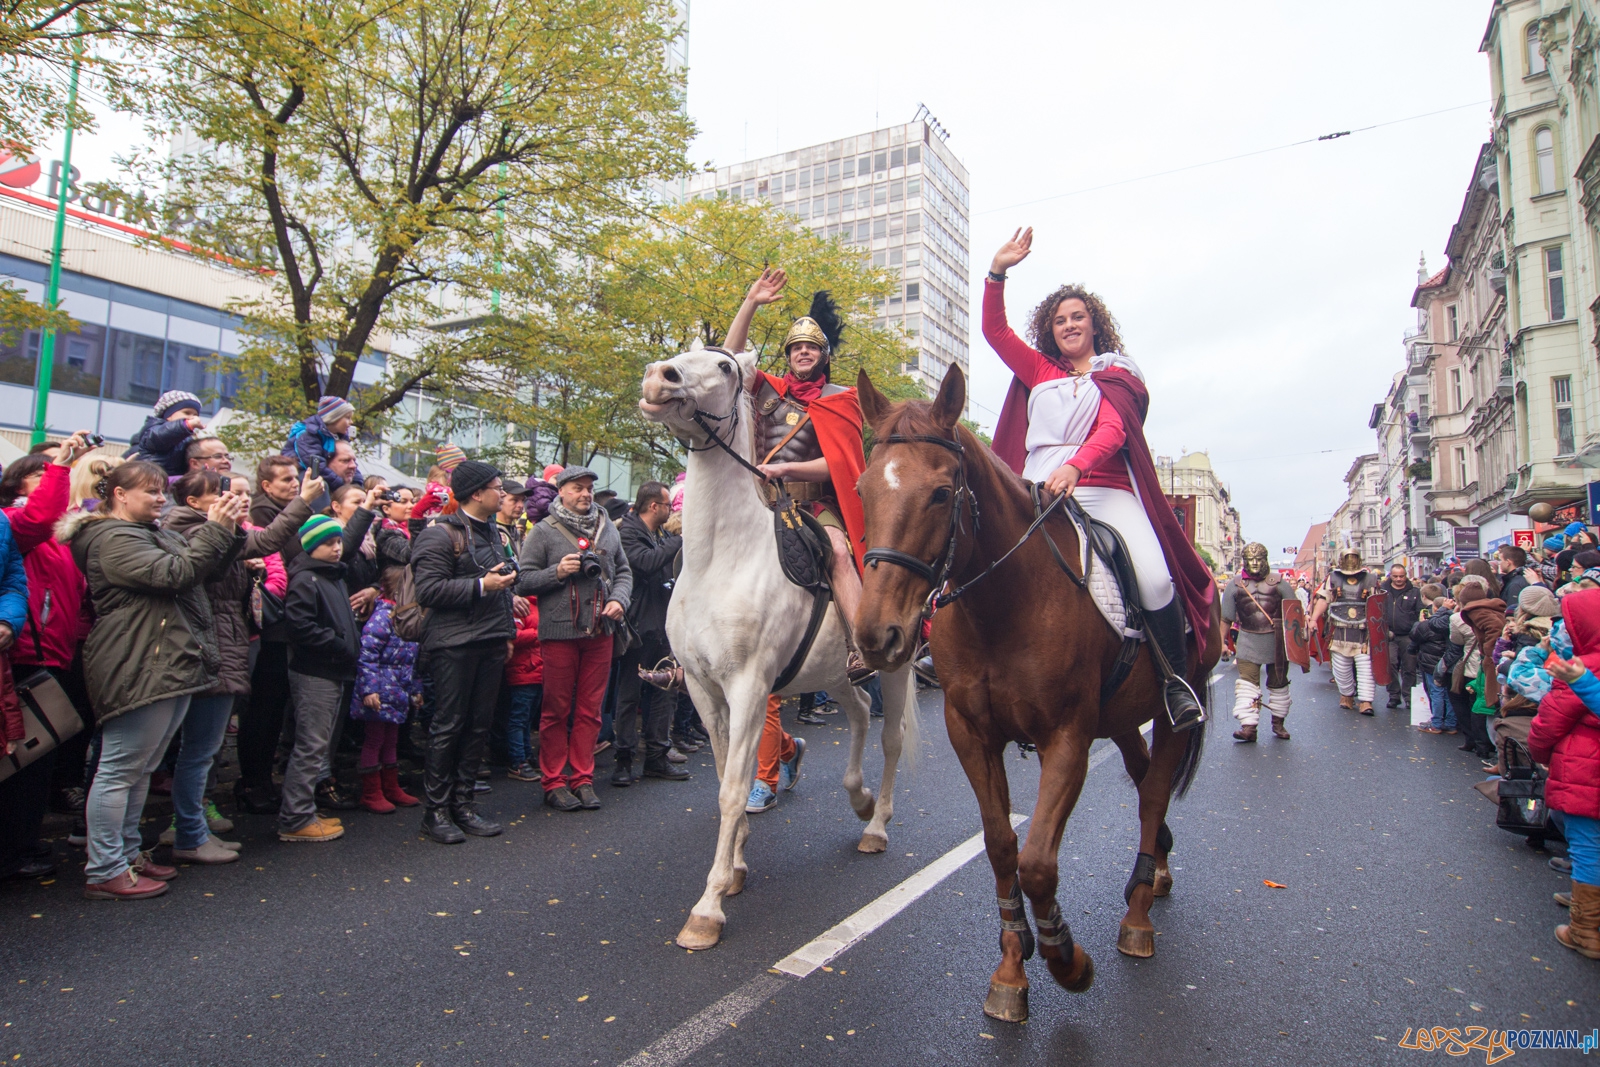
{"type": "Point", "coordinates": [1255, 560]}
{"type": "Point", "coordinates": [822, 328]}
{"type": "Point", "coordinates": [1350, 562]}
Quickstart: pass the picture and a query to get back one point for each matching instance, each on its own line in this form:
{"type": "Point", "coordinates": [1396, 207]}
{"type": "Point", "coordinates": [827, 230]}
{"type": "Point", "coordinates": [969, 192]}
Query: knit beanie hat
{"type": "Point", "coordinates": [469, 477]}
{"type": "Point", "coordinates": [1537, 600]}
{"type": "Point", "coordinates": [550, 473]}
{"type": "Point", "coordinates": [334, 408]}
{"type": "Point", "coordinates": [449, 456]}
{"type": "Point", "coordinates": [174, 400]}
{"type": "Point", "coordinates": [317, 529]}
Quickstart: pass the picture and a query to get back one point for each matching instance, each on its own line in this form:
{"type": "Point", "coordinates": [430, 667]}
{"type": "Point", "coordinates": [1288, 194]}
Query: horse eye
{"type": "Point", "coordinates": [941, 496]}
{"type": "Point", "coordinates": [726, 368]}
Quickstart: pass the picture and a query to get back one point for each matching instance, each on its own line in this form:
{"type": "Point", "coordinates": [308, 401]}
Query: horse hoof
{"type": "Point", "coordinates": [1133, 941]}
{"type": "Point", "coordinates": [738, 883]}
{"type": "Point", "coordinates": [1008, 1003]}
{"type": "Point", "coordinates": [699, 933]}
{"type": "Point", "coordinates": [1163, 883]}
{"type": "Point", "coordinates": [1063, 973]}
{"type": "Point", "coordinates": [865, 814]}
{"type": "Point", "coordinates": [871, 842]}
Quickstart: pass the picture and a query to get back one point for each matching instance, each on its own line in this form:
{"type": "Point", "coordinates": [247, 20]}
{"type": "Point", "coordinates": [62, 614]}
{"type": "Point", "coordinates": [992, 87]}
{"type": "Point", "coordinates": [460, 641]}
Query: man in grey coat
{"type": "Point", "coordinates": [574, 563]}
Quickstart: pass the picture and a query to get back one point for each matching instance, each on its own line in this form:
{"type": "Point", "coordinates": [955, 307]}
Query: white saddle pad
{"type": "Point", "coordinates": [1103, 586]}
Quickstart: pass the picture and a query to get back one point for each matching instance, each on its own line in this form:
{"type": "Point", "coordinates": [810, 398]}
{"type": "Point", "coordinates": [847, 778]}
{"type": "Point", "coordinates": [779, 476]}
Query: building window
{"type": "Point", "coordinates": [913, 292]}
{"type": "Point", "coordinates": [1536, 64]}
{"type": "Point", "coordinates": [1544, 159]}
{"type": "Point", "coordinates": [1461, 468]}
{"type": "Point", "coordinates": [1566, 439]}
{"type": "Point", "coordinates": [1451, 323]}
{"type": "Point", "coordinates": [1372, 516]}
{"type": "Point", "coordinates": [914, 154]}
{"type": "Point", "coordinates": [1555, 283]}
{"type": "Point", "coordinates": [1455, 388]}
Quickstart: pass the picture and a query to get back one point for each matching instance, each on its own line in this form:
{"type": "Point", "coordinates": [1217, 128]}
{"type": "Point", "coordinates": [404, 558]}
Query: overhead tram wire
{"type": "Point", "coordinates": [1227, 159]}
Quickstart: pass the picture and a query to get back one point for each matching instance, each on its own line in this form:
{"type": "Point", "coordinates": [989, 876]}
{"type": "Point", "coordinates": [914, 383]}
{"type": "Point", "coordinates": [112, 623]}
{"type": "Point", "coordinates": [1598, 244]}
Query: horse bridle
{"type": "Point", "coordinates": [701, 417]}
{"type": "Point", "coordinates": [937, 573]}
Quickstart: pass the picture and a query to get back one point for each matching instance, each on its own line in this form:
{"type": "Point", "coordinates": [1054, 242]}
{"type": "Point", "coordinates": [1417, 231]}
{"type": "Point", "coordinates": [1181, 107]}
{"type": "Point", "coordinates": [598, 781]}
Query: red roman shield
{"type": "Point", "coordinates": [1296, 639]}
{"type": "Point", "coordinates": [1378, 636]}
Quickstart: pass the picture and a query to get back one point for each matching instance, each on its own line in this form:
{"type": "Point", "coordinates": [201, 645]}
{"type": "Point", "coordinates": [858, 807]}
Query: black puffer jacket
{"type": "Point", "coordinates": [1430, 639]}
{"type": "Point", "coordinates": [324, 637]}
{"type": "Point", "coordinates": [459, 612]}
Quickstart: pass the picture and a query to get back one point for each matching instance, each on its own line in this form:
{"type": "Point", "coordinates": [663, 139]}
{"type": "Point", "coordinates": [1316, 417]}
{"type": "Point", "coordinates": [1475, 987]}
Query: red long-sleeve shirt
{"type": "Point", "coordinates": [1099, 456]}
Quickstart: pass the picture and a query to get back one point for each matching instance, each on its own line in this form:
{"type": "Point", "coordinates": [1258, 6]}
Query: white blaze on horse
{"type": "Point", "coordinates": [736, 621]}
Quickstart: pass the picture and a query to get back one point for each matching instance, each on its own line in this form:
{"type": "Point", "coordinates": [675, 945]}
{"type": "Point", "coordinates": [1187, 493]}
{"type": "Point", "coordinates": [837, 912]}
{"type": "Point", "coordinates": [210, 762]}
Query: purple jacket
{"type": "Point", "coordinates": [388, 668]}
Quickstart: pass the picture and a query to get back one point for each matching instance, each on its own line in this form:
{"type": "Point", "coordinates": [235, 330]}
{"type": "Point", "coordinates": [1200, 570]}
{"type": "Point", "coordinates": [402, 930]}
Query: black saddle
{"type": "Point", "coordinates": [804, 548]}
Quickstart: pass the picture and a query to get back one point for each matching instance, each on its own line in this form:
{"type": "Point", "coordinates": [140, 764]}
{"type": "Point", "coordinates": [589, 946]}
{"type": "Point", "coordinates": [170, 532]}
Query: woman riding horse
{"type": "Point", "coordinates": [1076, 408]}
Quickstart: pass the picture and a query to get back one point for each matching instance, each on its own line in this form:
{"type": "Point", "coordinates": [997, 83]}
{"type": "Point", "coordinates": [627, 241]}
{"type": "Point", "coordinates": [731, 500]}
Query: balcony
{"type": "Point", "coordinates": [1505, 385]}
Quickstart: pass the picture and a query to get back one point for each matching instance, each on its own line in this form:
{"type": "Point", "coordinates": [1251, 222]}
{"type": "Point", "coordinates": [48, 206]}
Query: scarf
{"type": "Point", "coordinates": [802, 390]}
{"type": "Point", "coordinates": [587, 526]}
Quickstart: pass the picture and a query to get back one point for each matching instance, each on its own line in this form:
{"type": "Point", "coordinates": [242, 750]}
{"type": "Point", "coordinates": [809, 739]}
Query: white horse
{"type": "Point", "coordinates": [735, 621]}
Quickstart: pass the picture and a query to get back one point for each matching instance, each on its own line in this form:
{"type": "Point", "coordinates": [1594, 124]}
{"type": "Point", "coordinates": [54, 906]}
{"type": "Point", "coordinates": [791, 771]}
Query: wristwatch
{"type": "Point", "coordinates": [993, 277]}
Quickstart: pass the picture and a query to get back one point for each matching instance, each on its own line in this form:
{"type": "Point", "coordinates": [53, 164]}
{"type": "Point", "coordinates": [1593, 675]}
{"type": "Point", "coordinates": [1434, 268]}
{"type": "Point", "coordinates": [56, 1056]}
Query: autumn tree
{"type": "Point", "coordinates": [374, 161]}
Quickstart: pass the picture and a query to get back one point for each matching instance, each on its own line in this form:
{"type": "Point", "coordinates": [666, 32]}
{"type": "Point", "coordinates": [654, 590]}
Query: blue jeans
{"type": "Point", "coordinates": [526, 701]}
{"type": "Point", "coordinates": [1444, 716]}
{"type": "Point", "coordinates": [203, 729]}
{"type": "Point", "coordinates": [1583, 847]}
{"type": "Point", "coordinates": [131, 745]}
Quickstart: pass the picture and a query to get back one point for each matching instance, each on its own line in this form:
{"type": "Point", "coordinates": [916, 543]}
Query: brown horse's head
{"type": "Point", "coordinates": [909, 493]}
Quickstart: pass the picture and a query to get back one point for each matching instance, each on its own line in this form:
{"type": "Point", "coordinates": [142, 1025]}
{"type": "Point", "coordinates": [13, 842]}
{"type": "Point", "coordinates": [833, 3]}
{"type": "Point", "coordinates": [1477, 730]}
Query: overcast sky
{"type": "Point", "coordinates": [1265, 298]}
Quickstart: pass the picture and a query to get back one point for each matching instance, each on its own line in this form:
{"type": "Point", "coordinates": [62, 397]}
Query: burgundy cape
{"type": "Point", "coordinates": [1129, 398]}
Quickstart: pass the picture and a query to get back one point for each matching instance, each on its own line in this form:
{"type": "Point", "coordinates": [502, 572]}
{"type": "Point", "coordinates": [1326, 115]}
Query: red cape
{"type": "Point", "coordinates": [839, 431]}
{"type": "Point", "coordinates": [1131, 400]}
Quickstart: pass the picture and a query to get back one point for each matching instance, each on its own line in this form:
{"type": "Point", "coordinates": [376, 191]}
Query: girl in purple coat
{"type": "Point", "coordinates": [386, 690]}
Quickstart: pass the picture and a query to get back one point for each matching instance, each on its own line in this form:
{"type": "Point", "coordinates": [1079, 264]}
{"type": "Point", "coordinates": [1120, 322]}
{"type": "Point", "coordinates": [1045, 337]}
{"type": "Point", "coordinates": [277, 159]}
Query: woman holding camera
{"type": "Point", "coordinates": [574, 563]}
{"type": "Point", "coordinates": [229, 592]}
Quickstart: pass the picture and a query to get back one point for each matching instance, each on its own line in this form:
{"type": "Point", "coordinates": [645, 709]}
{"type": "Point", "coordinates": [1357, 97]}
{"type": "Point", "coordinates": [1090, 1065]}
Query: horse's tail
{"type": "Point", "coordinates": [913, 728]}
{"type": "Point", "coordinates": [1189, 765]}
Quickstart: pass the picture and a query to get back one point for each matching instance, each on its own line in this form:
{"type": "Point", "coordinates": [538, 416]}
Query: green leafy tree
{"type": "Point", "coordinates": [376, 162]}
{"type": "Point", "coordinates": [39, 42]}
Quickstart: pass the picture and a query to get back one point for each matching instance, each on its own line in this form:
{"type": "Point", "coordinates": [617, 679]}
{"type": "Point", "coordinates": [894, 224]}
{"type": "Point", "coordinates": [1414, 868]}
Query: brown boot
{"type": "Point", "coordinates": [1278, 730]}
{"type": "Point", "coordinates": [1366, 708]}
{"type": "Point", "coordinates": [1582, 932]}
{"type": "Point", "coordinates": [1245, 733]}
{"type": "Point", "coordinates": [1347, 703]}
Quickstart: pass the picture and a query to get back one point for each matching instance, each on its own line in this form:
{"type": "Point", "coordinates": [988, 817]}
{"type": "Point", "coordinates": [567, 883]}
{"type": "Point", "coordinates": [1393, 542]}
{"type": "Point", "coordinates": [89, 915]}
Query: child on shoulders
{"type": "Point", "coordinates": [167, 431]}
{"type": "Point", "coordinates": [313, 443]}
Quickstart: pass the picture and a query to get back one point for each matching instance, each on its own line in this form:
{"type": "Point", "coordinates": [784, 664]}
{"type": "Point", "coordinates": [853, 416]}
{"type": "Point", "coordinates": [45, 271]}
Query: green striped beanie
{"type": "Point", "coordinates": [317, 529]}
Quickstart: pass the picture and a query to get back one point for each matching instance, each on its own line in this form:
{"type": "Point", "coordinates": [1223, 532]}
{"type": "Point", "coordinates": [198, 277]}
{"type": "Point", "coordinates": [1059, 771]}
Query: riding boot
{"type": "Point", "coordinates": [1164, 627]}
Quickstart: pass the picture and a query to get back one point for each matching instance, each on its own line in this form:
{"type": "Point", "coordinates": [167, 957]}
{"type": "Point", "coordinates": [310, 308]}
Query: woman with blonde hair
{"type": "Point", "coordinates": [86, 473]}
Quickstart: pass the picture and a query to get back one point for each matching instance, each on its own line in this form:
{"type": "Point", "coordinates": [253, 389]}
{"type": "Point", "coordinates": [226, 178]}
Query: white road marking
{"type": "Point", "coordinates": [890, 475]}
{"type": "Point", "coordinates": [689, 1037]}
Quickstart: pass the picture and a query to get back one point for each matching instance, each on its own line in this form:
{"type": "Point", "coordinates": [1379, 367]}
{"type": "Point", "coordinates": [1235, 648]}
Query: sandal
{"type": "Point", "coordinates": [668, 677]}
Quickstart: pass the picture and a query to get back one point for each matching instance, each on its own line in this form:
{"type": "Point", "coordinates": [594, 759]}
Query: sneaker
{"type": "Point", "coordinates": [789, 771]}
{"type": "Point", "coordinates": [761, 799]}
{"type": "Point", "coordinates": [674, 756]}
{"type": "Point", "coordinates": [524, 772]}
{"type": "Point", "coordinates": [601, 746]}
{"type": "Point", "coordinates": [68, 801]}
{"type": "Point", "coordinates": [212, 852]}
{"type": "Point", "coordinates": [125, 886]}
{"type": "Point", "coordinates": [218, 822]}
{"type": "Point", "coordinates": [317, 830]}
{"type": "Point", "coordinates": [561, 799]}
{"type": "Point", "coordinates": [80, 832]}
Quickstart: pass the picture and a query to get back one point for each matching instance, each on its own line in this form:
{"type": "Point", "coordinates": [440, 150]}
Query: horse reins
{"type": "Point", "coordinates": [938, 572]}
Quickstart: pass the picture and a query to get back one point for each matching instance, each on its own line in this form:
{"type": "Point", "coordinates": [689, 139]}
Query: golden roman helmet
{"type": "Point", "coordinates": [805, 328]}
{"type": "Point", "coordinates": [1255, 560]}
{"type": "Point", "coordinates": [1349, 562]}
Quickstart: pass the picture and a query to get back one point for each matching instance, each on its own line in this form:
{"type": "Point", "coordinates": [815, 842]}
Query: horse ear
{"type": "Point", "coordinates": [696, 344]}
{"type": "Point", "coordinates": [874, 405]}
{"type": "Point", "coordinates": [952, 398]}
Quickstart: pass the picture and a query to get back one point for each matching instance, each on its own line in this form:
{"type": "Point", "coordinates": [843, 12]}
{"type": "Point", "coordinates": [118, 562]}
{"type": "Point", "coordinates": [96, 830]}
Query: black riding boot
{"type": "Point", "coordinates": [1165, 627]}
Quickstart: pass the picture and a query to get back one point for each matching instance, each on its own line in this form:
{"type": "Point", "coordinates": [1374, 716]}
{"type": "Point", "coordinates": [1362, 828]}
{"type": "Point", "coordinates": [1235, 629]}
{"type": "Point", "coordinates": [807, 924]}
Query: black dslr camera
{"type": "Point", "coordinates": [589, 564]}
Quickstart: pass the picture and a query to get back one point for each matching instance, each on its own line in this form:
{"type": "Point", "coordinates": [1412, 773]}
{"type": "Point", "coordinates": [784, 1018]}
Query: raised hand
{"type": "Point", "coordinates": [768, 288]}
{"type": "Point", "coordinates": [311, 487]}
{"type": "Point", "coordinates": [69, 450]}
{"type": "Point", "coordinates": [1013, 251]}
{"type": "Point", "coordinates": [227, 510]}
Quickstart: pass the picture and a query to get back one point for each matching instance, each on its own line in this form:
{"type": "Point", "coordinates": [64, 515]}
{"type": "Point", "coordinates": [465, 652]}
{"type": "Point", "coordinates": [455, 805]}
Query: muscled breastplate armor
{"type": "Point", "coordinates": [1258, 605]}
{"type": "Point", "coordinates": [1347, 606]}
{"type": "Point", "coordinates": [776, 416]}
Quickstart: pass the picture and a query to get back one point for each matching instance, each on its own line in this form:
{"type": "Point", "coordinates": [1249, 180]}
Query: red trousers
{"type": "Point", "coordinates": [575, 675]}
{"type": "Point", "coordinates": [776, 746]}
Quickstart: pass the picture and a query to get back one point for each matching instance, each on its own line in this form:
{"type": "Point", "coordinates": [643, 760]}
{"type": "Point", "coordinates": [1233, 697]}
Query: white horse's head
{"type": "Point", "coordinates": [701, 379]}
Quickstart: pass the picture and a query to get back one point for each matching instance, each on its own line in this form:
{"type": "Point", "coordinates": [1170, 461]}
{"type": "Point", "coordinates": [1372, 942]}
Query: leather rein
{"type": "Point", "coordinates": [937, 573]}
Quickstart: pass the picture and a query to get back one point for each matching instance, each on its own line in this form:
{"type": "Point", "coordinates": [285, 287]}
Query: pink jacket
{"type": "Point", "coordinates": [51, 638]}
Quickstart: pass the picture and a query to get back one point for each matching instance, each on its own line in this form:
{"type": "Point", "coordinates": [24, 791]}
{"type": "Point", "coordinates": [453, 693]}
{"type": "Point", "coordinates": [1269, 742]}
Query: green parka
{"type": "Point", "coordinates": [153, 635]}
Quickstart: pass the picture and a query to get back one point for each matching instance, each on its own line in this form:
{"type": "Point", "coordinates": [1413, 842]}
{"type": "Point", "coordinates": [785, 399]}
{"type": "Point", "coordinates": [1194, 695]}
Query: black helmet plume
{"type": "Point", "coordinates": [826, 315]}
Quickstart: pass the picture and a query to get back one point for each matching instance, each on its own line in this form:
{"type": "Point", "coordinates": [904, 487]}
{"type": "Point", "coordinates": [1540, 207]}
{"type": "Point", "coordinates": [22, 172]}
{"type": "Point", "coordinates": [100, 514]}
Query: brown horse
{"type": "Point", "coordinates": [1021, 656]}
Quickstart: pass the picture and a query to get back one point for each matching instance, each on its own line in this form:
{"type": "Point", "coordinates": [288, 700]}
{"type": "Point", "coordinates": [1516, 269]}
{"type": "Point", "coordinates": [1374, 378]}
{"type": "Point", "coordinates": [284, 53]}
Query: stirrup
{"type": "Point", "coordinates": [856, 667]}
{"type": "Point", "coordinates": [669, 678]}
{"type": "Point", "coordinates": [1187, 722]}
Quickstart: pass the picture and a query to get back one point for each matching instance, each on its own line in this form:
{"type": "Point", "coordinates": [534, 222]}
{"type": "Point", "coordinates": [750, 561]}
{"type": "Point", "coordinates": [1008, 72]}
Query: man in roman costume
{"type": "Point", "coordinates": [1343, 598]}
{"type": "Point", "coordinates": [1253, 601]}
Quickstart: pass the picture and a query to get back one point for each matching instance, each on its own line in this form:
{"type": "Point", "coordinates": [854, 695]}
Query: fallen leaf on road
{"type": "Point", "coordinates": [1273, 885]}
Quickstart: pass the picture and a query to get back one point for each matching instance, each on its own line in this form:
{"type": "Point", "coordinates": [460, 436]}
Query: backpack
{"type": "Point", "coordinates": [409, 620]}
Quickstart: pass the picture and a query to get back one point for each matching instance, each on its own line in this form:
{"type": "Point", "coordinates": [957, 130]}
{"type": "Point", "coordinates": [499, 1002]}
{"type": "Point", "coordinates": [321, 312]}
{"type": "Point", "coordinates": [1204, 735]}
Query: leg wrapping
{"type": "Point", "coordinates": [1144, 873]}
{"type": "Point", "coordinates": [1345, 675]}
{"type": "Point", "coordinates": [1015, 919]}
{"type": "Point", "coordinates": [1364, 684]}
{"type": "Point", "coordinates": [1278, 702]}
{"type": "Point", "coordinates": [1246, 702]}
{"type": "Point", "coordinates": [1053, 930]}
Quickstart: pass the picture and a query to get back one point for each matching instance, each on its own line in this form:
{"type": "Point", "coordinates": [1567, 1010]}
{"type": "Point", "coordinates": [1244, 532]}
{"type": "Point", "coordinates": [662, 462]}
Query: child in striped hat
{"type": "Point", "coordinates": [167, 431]}
{"type": "Point", "coordinates": [313, 441]}
{"type": "Point", "coordinates": [437, 493]}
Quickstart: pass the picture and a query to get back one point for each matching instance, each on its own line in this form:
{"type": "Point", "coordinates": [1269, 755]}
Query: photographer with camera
{"type": "Point", "coordinates": [463, 573]}
{"type": "Point", "coordinates": [650, 555]}
{"type": "Point", "coordinates": [574, 563]}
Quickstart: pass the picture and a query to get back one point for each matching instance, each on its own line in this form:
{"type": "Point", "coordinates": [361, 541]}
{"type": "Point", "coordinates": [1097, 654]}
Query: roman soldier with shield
{"type": "Point", "coordinates": [1357, 645]}
{"type": "Point", "coordinates": [1254, 602]}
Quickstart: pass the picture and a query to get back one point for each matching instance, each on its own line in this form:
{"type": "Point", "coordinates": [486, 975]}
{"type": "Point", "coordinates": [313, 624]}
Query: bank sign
{"type": "Point", "coordinates": [22, 171]}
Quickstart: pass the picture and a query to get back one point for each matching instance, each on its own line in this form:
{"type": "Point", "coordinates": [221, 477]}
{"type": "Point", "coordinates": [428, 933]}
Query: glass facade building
{"type": "Point", "coordinates": [901, 197]}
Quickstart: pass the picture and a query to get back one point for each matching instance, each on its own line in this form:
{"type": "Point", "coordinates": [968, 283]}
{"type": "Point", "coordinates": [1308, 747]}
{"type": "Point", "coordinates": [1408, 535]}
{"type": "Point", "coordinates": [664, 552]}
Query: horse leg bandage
{"type": "Point", "coordinates": [1246, 702]}
{"type": "Point", "coordinates": [1344, 674]}
{"type": "Point", "coordinates": [1144, 873]}
{"type": "Point", "coordinates": [1053, 930]}
{"type": "Point", "coordinates": [1014, 919]}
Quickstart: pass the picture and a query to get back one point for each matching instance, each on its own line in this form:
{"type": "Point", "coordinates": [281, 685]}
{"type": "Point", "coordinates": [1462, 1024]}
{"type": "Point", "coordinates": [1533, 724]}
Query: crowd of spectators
{"type": "Point", "coordinates": [329, 623]}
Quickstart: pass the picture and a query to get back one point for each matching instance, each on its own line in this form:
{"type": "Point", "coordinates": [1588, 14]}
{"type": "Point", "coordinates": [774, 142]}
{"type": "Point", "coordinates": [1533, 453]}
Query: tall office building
{"type": "Point", "coordinates": [900, 195]}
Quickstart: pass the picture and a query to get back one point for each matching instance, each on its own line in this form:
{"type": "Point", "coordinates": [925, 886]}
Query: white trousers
{"type": "Point", "coordinates": [1120, 508]}
{"type": "Point", "coordinates": [1354, 675]}
{"type": "Point", "coordinates": [1247, 702]}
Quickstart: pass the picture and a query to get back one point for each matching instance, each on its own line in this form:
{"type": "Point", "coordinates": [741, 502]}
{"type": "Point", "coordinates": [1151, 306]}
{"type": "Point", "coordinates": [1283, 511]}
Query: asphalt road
{"type": "Point", "coordinates": [1404, 907]}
